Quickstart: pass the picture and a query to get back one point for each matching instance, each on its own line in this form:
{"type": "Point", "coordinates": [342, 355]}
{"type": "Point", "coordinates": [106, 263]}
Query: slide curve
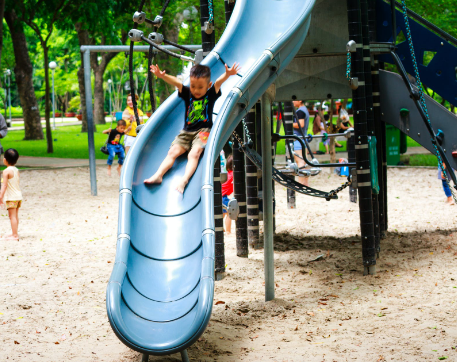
{"type": "Point", "coordinates": [160, 294]}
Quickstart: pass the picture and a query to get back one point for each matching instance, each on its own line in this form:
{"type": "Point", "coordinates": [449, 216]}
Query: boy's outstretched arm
{"type": "Point", "coordinates": [167, 78]}
{"type": "Point", "coordinates": [228, 73]}
{"type": "Point", "coordinates": [107, 131]}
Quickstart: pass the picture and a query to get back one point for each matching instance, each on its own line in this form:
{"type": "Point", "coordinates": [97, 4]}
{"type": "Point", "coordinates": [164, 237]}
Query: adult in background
{"type": "Point", "coordinates": [301, 120]}
{"type": "Point", "coordinates": [129, 117]}
{"type": "Point", "coordinates": [3, 132]}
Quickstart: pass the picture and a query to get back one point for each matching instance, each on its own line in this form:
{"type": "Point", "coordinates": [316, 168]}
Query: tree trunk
{"type": "Point", "coordinates": [47, 107]}
{"type": "Point", "coordinates": [83, 39]}
{"type": "Point", "coordinates": [99, 97]}
{"type": "Point", "coordinates": [2, 12]}
{"type": "Point", "coordinates": [23, 71]}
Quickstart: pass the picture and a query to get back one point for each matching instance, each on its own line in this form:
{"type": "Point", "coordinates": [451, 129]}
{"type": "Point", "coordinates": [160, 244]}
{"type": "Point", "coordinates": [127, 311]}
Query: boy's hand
{"type": "Point", "coordinates": [157, 72]}
{"type": "Point", "coordinates": [233, 70]}
{"type": "Point", "coordinates": [109, 130]}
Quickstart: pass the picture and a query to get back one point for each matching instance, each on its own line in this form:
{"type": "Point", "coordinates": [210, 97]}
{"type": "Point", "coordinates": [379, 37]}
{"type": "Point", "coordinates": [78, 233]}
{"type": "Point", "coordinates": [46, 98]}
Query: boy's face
{"type": "Point", "coordinates": [120, 129]}
{"type": "Point", "coordinates": [199, 86]}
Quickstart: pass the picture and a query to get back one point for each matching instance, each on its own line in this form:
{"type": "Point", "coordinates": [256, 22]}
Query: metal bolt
{"type": "Point", "coordinates": [359, 137]}
{"type": "Point", "coordinates": [382, 114]}
{"type": "Point", "coordinates": [358, 112]}
{"type": "Point", "coordinates": [360, 143]}
{"type": "Point", "coordinates": [419, 134]}
{"type": "Point", "coordinates": [442, 43]}
{"type": "Point", "coordinates": [407, 130]}
{"type": "Point", "coordinates": [361, 167]}
{"type": "Point", "coordinates": [444, 150]}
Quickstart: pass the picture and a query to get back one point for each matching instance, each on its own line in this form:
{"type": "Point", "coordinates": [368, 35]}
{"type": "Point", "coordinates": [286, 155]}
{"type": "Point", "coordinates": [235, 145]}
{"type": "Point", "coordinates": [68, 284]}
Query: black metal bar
{"type": "Point", "coordinates": [258, 127]}
{"type": "Point", "coordinates": [162, 12]}
{"type": "Point", "coordinates": [228, 10]}
{"type": "Point", "coordinates": [166, 51]}
{"type": "Point", "coordinates": [273, 158]}
{"type": "Point", "coordinates": [218, 221]}
{"type": "Point", "coordinates": [288, 120]}
{"type": "Point", "coordinates": [252, 198]}
{"type": "Point", "coordinates": [179, 46]}
{"type": "Point", "coordinates": [208, 40]}
{"type": "Point", "coordinates": [370, 111]}
{"type": "Point", "coordinates": [150, 80]}
{"type": "Point", "coordinates": [378, 124]}
{"type": "Point", "coordinates": [361, 141]}
{"type": "Point", "coordinates": [239, 183]}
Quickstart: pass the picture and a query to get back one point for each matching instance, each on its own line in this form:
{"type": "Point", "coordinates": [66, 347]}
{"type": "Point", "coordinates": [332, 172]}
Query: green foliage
{"type": "Point", "coordinates": [69, 143]}
{"type": "Point", "coordinates": [74, 104]}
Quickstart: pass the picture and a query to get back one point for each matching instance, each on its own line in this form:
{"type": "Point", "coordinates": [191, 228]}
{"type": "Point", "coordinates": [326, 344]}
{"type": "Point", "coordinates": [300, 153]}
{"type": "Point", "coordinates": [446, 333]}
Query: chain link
{"type": "Point", "coordinates": [421, 94]}
{"type": "Point", "coordinates": [348, 66]}
{"type": "Point", "coordinates": [339, 189]}
{"type": "Point", "coordinates": [211, 12]}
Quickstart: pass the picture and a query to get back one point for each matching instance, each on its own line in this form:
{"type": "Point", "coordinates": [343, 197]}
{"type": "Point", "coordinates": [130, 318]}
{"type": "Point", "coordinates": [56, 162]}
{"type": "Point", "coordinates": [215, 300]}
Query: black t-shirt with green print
{"type": "Point", "coordinates": [199, 112]}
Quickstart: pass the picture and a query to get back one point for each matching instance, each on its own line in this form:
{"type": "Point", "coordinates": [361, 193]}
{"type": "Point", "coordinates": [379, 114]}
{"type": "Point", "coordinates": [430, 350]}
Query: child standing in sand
{"type": "Point", "coordinates": [114, 146]}
{"type": "Point", "coordinates": [10, 193]}
{"type": "Point", "coordinates": [447, 190]}
{"type": "Point", "coordinates": [198, 119]}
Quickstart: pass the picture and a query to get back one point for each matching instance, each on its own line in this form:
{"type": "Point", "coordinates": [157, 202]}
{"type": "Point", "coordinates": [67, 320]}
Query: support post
{"type": "Point", "coordinates": [90, 123]}
{"type": "Point", "coordinates": [184, 356]}
{"type": "Point", "coordinates": [145, 357]}
{"type": "Point", "coordinates": [370, 111]}
{"type": "Point", "coordinates": [289, 130]}
{"type": "Point", "coordinates": [252, 198]}
{"type": "Point", "coordinates": [218, 224]}
{"type": "Point", "coordinates": [378, 124]}
{"type": "Point", "coordinates": [239, 183]}
{"type": "Point", "coordinates": [267, 175]}
{"type": "Point", "coordinates": [361, 141]}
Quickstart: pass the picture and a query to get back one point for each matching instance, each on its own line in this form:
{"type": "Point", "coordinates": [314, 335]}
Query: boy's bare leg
{"type": "Point", "coordinates": [192, 163]}
{"type": "Point", "coordinates": [300, 163]}
{"type": "Point", "coordinates": [109, 170]}
{"type": "Point", "coordinates": [13, 214]}
{"type": "Point", "coordinates": [173, 153]}
{"type": "Point", "coordinates": [227, 223]}
{"type": "Point", "coordinates": [119, 168]}
{"type": "Point", "coordinates": [450, 201]}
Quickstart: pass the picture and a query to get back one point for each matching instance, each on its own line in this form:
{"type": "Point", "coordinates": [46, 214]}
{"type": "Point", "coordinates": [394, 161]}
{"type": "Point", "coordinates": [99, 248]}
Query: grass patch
{"type": "Point", "coordinates": [419, 160]}
{"type": "Point", "coordinates": [69, 142]}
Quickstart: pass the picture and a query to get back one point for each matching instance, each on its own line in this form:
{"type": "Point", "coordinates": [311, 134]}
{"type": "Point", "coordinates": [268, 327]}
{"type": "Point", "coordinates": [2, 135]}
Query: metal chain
{"type": "Point", "coordinates": [421, 94]}
{"type": "Point", "coordinates": [348, 66]}
{"type": "Point", "coordinates": [211, 12]}
{"type": "Point", "coordinates": [341, 188]}
{"type": "Point", "coordinates": [246, 131]}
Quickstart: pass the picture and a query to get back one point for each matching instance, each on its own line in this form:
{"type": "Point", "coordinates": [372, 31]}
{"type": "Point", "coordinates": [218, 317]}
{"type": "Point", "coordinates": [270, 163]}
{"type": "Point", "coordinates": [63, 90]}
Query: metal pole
{"type": "Point", "coordinates": [252, 196]}
{"type": "Point", "coordinates": [185, 356]}
{"type": "Point", "coordinates": [53, 104]}
{"type": "Point", "coordinates": [288, 120]}
{"type": "Point", "coordinates": [90, 124]}
{"type": "Point", "coordinates": [239, 183]}
{"type": "Point", "coordinates": [9, 98]}
{"type": "Point", "coordinates": [267, 175]}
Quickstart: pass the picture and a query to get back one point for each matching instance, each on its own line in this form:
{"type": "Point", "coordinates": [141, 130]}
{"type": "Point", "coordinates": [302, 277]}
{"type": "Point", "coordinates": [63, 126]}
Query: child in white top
{"type": "Point", "coordinates": [10, 193]}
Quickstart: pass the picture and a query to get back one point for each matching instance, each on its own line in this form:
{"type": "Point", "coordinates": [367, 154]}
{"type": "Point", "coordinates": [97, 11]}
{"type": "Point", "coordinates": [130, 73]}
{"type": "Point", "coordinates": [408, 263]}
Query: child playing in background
{"type": "Point", "coordinates": [227, 190]}
{"type": "Point", "coordinates": [114, 145]}
{"type": "Point", "coordinates": [10, 193]}
{"type": "Point", "coordinates": [447, 190]}
{"type": "Point", "coordinates": [199, 101]}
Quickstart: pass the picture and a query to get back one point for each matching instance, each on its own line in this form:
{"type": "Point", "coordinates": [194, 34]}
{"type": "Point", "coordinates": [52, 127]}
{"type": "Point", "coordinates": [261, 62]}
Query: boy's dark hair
{"type": "Point", "coordinates": [229, 165]}
{"type": "Point", "coordinates": [200, 71]}
{"type": "Point", "coordinates": [121, 122]}
{"type": "Point", "coordinates": [11, 156]}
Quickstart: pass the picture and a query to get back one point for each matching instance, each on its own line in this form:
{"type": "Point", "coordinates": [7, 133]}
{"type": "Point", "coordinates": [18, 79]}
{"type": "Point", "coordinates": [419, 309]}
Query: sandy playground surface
{"type": "Point", "coordinates": [52, 290]}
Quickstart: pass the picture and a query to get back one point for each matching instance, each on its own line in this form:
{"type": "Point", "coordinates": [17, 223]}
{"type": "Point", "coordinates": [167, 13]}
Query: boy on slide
{"type": "Point", "coordinates": [198, 119]}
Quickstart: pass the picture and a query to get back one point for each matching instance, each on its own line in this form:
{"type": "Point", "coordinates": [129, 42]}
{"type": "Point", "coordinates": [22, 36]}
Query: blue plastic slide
{"type": "Point", "coordinates": [160, 294]}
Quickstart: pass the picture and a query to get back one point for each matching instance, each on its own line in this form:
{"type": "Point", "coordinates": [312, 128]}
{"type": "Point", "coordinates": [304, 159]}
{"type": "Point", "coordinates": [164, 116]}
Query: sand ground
{"type": "Point", "coordinates": [52, 290]}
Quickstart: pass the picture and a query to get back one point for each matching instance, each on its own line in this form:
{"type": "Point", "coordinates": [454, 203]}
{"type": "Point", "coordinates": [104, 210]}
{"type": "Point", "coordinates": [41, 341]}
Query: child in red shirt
{"type": "Point", "coordinates": [227, 189]}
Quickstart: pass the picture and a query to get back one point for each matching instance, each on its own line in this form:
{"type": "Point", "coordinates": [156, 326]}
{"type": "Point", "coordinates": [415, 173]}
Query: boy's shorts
{"type": "Point", "coordinates": [188, 140]}
{"type": "Point", "coordinates": [225, 201]}
{"type": "Point", "coordinates": [13, 204]}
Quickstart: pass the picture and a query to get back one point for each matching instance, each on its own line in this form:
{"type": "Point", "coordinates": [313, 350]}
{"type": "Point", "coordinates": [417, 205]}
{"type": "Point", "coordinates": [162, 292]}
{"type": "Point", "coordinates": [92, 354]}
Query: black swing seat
{"type": "Point", "coordinates": [284, 180]}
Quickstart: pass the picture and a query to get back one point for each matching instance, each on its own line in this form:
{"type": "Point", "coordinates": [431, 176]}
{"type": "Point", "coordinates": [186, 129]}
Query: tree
{"type": "Point", "coordinates": [2, 13]}
{"type": "Point", "coordinates": [40, 17]}
{"type": "Point", "coordinates": [23, 71]}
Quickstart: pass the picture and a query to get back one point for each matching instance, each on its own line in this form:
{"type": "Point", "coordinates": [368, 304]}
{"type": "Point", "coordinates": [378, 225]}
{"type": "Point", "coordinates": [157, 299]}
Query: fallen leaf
{"type": "Point", "coordinates": [296, 328]}
{"type": "Point", "coordinates": [16, 342]}
{"type": "Point", "coordinates": [56, 343]}
{"type": "Point", "coordinates": [310, 313]}
{"type": "Point", "coordinates": [220, 302]}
